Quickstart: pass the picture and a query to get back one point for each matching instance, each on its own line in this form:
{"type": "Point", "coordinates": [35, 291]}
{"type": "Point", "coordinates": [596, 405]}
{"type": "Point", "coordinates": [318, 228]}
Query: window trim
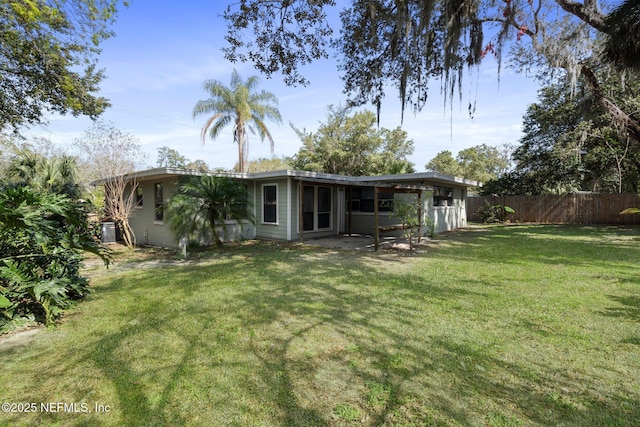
{"type": "Point", "coordinates": [274, 203]}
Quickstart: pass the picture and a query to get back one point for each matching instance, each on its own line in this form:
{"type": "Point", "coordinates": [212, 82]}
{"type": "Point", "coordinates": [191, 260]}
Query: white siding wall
{"type": "Point", "coordinates": [277, 231]}
{"type": "Point", "coordinates": [447, 218]}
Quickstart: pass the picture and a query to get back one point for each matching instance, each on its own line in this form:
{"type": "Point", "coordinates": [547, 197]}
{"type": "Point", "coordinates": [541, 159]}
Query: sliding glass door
{"type": "Point", "coordinates": [317, 208]}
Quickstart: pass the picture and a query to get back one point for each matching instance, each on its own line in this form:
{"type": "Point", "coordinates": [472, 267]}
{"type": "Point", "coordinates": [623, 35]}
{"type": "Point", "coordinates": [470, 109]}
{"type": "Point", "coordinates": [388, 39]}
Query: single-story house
{"type": "Point", "coordinates": [295, 205]}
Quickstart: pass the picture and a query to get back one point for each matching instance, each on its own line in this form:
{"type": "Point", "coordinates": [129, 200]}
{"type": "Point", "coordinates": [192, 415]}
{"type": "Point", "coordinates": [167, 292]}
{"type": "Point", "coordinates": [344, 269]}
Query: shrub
{"type": "Point", "coordinates": [203, 203]}
{"type": "Point", "coordinates": [42, 236]}
{"type": "Point", "coordinates": [489, 213]}
{"type": "Point", "coordinates": [407, 212]}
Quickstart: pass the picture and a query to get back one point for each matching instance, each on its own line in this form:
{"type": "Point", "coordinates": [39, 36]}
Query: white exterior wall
{"type": "Point", "coordinates": [447, 218]}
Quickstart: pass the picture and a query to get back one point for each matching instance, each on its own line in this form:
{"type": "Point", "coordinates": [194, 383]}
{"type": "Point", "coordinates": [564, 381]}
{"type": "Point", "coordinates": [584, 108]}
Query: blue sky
{"type": "Point", "coordinates": [164, 51]}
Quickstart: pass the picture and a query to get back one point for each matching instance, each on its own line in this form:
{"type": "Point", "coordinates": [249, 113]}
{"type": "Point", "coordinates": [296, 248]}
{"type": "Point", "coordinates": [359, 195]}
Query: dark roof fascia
{"type": "Point", "coordinates": [383, 181]}
{"type": "Point", "coordinates": [381, 185]}
{"type": "Point", "coordinates": [430, 177]}
{"type": "Point", "coordinates": [159, 173]}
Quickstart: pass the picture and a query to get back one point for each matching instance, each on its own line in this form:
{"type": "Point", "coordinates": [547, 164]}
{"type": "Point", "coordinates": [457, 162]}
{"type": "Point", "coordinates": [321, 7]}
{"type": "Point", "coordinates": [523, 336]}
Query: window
{"type": "Point", "coordinates": [366, 199]}
{"type": "Point", "coordinates": [355, 198]}
{"type": "Point", "coordinates": [139, 199]}
{"type": "Point", "coordinates": [159, 199]}
{"type": "Point", "coordinates": [385, 202]}
{"type": "Point", "coordinates": [362, 200]}
{"type": "Point", "coordinates": [442, 196]}
{"type": "Point", "coordinates": [270, 204]}
{"type": "Point", "coordinates": [241, 203]}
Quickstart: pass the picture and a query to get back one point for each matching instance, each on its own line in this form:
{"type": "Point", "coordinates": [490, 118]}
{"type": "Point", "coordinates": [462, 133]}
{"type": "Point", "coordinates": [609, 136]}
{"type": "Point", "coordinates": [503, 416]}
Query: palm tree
{"type": "Point", "coordinates": [203, 203]}
{"type": "Point", "coordinates": [241, 105]}
{"type": "Point", "coordinates": [55, 175]}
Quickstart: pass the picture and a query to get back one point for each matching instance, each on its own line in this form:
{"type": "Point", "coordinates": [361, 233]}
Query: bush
{"type": "Point", "coordinates": [407, 212]}
{"type": "Point", "coordinates": [489, 213]}
{"type": "Point", "coordinates": [42, 236]}
{"type": "Point", "coordinates": [203, 203]}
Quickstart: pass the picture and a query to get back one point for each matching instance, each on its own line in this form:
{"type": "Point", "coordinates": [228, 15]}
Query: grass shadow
{"type": "Point", "coordinates": [628, 308]}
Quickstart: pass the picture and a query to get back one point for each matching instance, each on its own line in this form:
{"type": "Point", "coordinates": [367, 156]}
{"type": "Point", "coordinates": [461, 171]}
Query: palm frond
{"type": "Point", "coordinates": [208, 124]}
{"type": "Point", "coordinates": [622, 42]}
{"type": "Point", "coordinates": [204, 203]}
{"type": "Point", "coordinates": [264, 131]}
{"type": "Point", "coordinates": [252, 82]}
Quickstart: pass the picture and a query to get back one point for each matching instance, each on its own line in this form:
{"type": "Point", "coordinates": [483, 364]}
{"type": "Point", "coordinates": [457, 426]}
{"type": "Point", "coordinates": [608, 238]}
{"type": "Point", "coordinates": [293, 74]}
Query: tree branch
{"type": "Point", "coordinates": [587, 12]}
{"type": "Point", "coordinates": [621, 118]}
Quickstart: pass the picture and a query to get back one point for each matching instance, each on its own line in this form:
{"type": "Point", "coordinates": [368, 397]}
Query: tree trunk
{"type": "Point", "coordinates": [127, 233]}
{"type": "Point", "coordinates": [242, 167]}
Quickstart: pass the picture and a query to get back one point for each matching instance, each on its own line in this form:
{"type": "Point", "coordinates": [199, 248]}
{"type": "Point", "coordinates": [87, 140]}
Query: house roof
{"type": "Point", "coordinates": [417, 180]}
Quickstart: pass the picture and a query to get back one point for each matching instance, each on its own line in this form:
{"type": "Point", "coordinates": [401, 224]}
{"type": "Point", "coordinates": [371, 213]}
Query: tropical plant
{"type": "Point", "coordinates": [56, 174]}
{"type": "Point", "coordinates": [202, 206]}
{"type": "Point", "coordinates": [42, 235]}
{"type": "Point", "coordinates": [241, 105]}
{"type": "Point", "coordinates": [489, 213]}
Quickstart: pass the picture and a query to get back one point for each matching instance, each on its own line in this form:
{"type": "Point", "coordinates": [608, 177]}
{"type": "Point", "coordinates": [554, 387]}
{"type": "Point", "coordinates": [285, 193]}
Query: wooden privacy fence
{"type": "Point", "coordinates": [592, 208]}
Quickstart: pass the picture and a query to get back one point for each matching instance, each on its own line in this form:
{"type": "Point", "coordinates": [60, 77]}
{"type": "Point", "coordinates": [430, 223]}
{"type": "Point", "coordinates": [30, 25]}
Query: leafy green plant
{"type": "Point", "coordinates": [347, 412]}
{"type": "Point", "coordinates": [42, 236]}
{"type": "Point", "coordinates": [407, 211]}
{"type": "Point", "coordinates": [489, 213]}
{"type": "Point", "coordinates": [629, 211]}
{"type": "Point", "coordinates": [204, 203]}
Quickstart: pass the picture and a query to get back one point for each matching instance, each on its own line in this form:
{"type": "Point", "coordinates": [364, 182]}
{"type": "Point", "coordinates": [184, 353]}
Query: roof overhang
{"type": "Point", "coordinates": [381, 186]}
{"type": "Point", "coordinates": [162, 173]}
{"type": "Point", "coordinates": [416, 181]}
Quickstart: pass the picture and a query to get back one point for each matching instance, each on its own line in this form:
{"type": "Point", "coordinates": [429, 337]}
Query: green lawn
{"type": "Point", "coordinates": [490, 326]}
